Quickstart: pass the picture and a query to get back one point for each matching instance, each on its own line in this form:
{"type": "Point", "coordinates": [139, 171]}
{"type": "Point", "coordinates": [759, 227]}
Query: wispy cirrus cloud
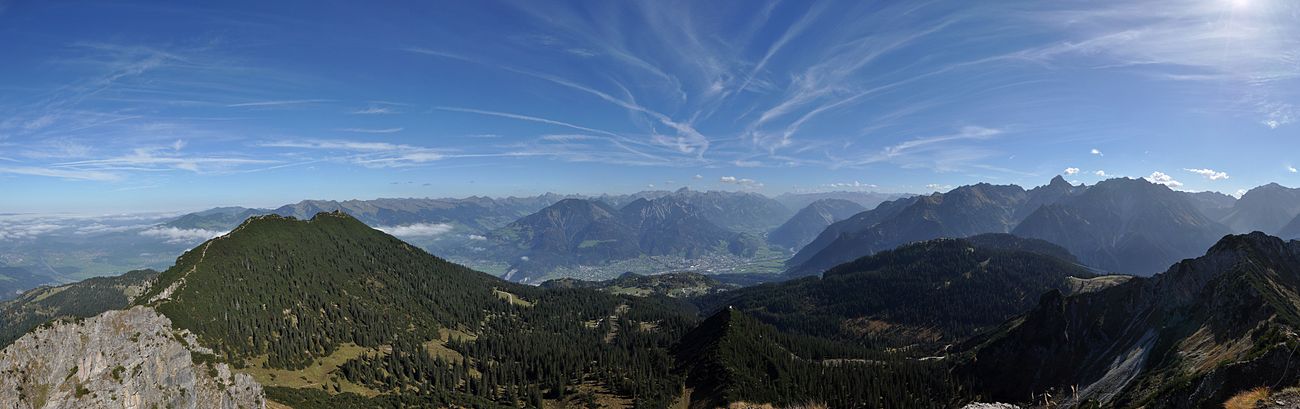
{"type": "Point", "coordinates": [368, 154]}
{"type": "Point", "coordinates": [372, 130]}
{"type": "Point", "coordinates": [66, 174]}
{"type": "Point", "coordinates": [161, 159]}
{"type": "Point", "coordinates": [278, 103]}
{"type": "Point", "coordinates": [946, 152]}
{"type": "Point", "coordinates": [1243, 44]}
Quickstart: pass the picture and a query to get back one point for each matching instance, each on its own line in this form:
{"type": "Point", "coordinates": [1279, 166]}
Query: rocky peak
{"type": "Point", "coordinates": [128, 358]}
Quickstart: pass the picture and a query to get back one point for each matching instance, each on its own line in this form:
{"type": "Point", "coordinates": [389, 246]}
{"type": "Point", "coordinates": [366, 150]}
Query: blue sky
{"type": "Point", "coordinates": [175, 105]}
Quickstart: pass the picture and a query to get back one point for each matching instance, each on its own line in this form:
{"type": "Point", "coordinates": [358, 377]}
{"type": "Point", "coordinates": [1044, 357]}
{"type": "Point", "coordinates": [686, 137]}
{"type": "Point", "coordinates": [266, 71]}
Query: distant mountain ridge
{"type": "Point", "coordinates": [587, 232]}
{"type": "Point", "coordinates": [810, 221]}
{"type": "Point", "coordinates": [475, 212]}
{"type": "Point", "coordinates": [1265, 208]}
{"type": "Point", "coordinates": [961, 212]}
{"type": "Point", "coordinates": [744, 212]}
{"type": "Point", "coordinates": [1128, 226]}
{"type": "Point", "coordinates": [865, 199]}
{"type": "Point", "coordinates": [1291, 230]}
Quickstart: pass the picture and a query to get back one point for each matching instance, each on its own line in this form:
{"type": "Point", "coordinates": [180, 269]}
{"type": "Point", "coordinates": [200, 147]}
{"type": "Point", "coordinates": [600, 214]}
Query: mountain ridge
{"type": "Point", "coordinates": [810, 221]}
{"type": "Point", "coordinates": [1192, 336]}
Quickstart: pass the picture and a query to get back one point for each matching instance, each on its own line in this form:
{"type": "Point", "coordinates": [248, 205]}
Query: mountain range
{"type": "Point", "coordinates": [329, 312]}
{"type": "Point", "coordinates": [577, 232]}
{"type": "Point", "coordinates": [961, 212]}
{"type": "Point", "coordinates": [1127, 226]}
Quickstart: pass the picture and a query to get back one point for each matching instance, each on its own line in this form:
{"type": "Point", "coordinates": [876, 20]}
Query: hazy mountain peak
{"type": "Point", "coordinates": [1266, 208]}
{"type": "Point", "coordinates": [1125, 225]}
{"type": "Point", "coordinates": [810, 221]}
{"type": "Point", "coordinates": [1059, 181]}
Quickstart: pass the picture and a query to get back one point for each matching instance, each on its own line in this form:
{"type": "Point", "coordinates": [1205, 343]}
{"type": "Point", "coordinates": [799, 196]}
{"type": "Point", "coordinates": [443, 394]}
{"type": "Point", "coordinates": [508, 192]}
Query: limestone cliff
{"type": "Point", "coordinates": [119, 359]}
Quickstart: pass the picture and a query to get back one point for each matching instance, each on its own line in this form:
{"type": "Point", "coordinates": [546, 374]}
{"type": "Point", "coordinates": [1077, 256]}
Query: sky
{"type": "Point", "coordinates": [163, 106]}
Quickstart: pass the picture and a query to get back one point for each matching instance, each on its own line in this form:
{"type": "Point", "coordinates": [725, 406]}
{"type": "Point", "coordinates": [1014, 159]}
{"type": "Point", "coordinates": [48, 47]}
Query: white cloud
{"type": "Point", "coordinates": [477, 237]}
{"type": "Point", "coordinates": [746, 183]}
{"type": "Point", "coordinates": [19, 230]}
{"type": "Point", "coordinates": [99, 228]}
{"type": "Point", "coordinates": [1240, 193]}
{"type": "Point", "coordinates": [417, 230]}
{"type": "Point", "coordinates": [936, 186]}
{"type": "Point", "coordinates": [1096, 152]}
{"type": "Point", "coordinates": [851, 185]}
{"type": "Point", "coordinates": [697, 177]}
{"type": "Point", "coordinates": [1291, 169]}
{"type": "Point", "coordinates": [1161, 178]}
{"type": "Point", "coordinates": [179, 236]}
{"type": "Point", "coordinates": [1100, 173]}
{"type": "Point", "coordinates": [1210, 174]}
{"type": "Point", "coordinates": [1071, 171]}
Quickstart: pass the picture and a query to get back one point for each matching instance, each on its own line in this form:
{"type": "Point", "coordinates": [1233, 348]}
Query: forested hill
{"type": "Point", "coordinates": [731, 358]}
{"type": "Point", "coordinates": [927, 292]}
{"type": "Point", "coordinates": [400, 326]}
{"type": "Point", "coordinates": [311, 274]}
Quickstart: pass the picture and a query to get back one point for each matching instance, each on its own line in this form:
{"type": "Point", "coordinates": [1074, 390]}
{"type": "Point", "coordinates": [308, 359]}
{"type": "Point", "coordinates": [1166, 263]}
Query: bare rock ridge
{"type": "Point", "coordinates": [119, 359]}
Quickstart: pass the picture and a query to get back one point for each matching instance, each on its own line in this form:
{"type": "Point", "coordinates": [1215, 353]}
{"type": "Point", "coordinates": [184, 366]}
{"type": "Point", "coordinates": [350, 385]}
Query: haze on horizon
{"type": "Point", "coordinates": [134, 107]}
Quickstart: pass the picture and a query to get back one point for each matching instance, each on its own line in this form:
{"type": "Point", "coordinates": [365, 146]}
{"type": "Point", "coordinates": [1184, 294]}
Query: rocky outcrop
{"type": "Point", "coordinates": [119, 359]}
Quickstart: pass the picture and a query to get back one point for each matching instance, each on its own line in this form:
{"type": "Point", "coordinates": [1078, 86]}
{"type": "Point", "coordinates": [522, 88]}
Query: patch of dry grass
{"type": "Point", "coordinates": [1247, 399]}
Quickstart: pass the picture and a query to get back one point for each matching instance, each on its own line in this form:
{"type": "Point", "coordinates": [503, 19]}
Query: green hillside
{"type": "Point", "coordinates": [330, 306]}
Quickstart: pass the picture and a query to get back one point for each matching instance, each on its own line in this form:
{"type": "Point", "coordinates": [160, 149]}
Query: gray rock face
{"type": "Point", "coordinates": [119, 359]}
